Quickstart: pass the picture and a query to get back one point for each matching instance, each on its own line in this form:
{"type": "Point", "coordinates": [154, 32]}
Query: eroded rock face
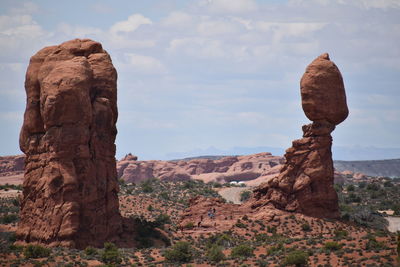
{"type": "Point", "coordinates": [70, 185]}
{"type": "Point", "coordinates": [305, 183]}
{"type": "Point", "coordinates": [226, 169]}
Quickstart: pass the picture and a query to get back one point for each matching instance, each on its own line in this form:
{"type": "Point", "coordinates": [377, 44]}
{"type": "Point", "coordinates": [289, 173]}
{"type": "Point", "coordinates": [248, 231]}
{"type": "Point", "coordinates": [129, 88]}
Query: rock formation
{"type": "Point", "coordinates": [305, 183]}
{"type": "Point", "coordinates": [252, 168]}
{"type": "Point", "coordinates": [70, 185]}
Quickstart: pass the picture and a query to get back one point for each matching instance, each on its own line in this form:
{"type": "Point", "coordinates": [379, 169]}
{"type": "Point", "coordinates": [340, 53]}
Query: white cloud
{"type": "Point", "coordinates": [131, 24]}
{"type": "Point", "coordinates": [78, 31]}
{"type": "Point", "coordinates": [230, 6]}
{"type": "Point", "coordinates": [216, 27]}
{"type": "Point", "coordinates": [177, 19]}
{"type": "Point", "coordinates": [382, 4]}
{"type": "Point", "coordinates": [25, 8]}
{"type": "Point", "coordinates": [365, 4]}
{"type": "Point", "coordinates": [144, 64]}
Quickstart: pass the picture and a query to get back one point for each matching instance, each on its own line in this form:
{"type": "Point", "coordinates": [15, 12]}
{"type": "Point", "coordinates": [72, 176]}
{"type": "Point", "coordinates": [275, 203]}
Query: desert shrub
{"type": "Point", "coordinates": [398, 244]}
{"type": "Point", "coordinates": [36, 251]}
{"type": "Point", "coordinates": [90, 251]}
{"type": "Point", "coordinates": [275, 249]}
{"type": "Point", "coordinates": [271, 229]}
{"type": "Point", "coordinates": [373, 187]}
{"type": "Point", "coordinates": [332, 245]}
{"type": "Point", "coordinates": [245, 195]}
{"type": "Point", "coordinates": [180, 252]}
{"type": "Point", "coordinates": [297, 258]}
{"type": "Point", "coordinates": [388, 184]}
{"type": "Point", "coordinates": [189, 225]}
{"type": "Point", "coordinates": [373, 244]}
{"type": "Point", "coordinates": [111, 254]}
{"type": "Point", "coordinates": [242, 251]}
{"type": "Point", "coordinates": [362, 184]}
{"type": "Point", "coordinates": [340, 233]}
{"type": "Point", "coordinates": [8, 218]}
{"type": "Point", "coordinates": [222, 240]}
{"type": "Point", "coordinates": [306, 227]}
{"type": "Point", "coordinates": [215, 253]}
{"type": "Point", "coordinates": [146, 186]}
{"type": "Point", "coordinates": [161, 220]}
{"type": "Point", "coordinates": [350, 187]}
{"type": "Point", "coordinates": [146, 231]}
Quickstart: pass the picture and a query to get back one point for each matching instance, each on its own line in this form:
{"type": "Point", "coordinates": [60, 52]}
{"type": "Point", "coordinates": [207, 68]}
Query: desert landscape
{"type": "Point", "coordinates": [287, 155]}
{"type": "Point", "coordinates": [68, 202]}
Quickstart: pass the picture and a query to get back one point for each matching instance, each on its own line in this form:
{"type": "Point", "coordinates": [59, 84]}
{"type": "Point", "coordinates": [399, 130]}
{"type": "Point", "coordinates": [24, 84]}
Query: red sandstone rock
{"type": "Point", "coordinates": [305, 183]}
{"type": "Point", "coordinates": [11, 165]}
{"type": "Point", "coordinates": [226, 169]}
{"type": "Point", "coordinates": [322, 91]}
{"type": "Point", "coordinates": [70, 187]}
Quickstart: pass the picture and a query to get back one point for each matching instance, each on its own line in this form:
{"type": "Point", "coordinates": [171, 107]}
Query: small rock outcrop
{"type": "Point", "coordinates": [305, 183]}
{"type": "Point", "coordinates": [70, 183]}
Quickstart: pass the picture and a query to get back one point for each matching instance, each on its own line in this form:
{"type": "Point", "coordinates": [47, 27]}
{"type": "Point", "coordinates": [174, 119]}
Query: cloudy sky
{"type": "Point", "coordinates": [195, 75]}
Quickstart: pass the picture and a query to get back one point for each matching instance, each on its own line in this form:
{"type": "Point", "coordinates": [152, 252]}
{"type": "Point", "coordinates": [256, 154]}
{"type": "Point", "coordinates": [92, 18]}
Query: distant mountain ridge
{"type": "Point", "coordinates": [387, 168]}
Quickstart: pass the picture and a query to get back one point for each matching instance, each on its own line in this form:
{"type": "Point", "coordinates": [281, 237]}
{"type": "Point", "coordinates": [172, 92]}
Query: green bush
{"type": "Point", "coordinates": [161, 220]}
{"type": "Point", "coordinates": [275, 249]}
{"type": "Point", "coordinates": [180, 252]}
{"type": "Point", "coordinates": [350, 187]}
{"type": "Point", "coordinates": [215, 253]}
{"type": "Point", "coordinates": [189, 225]}
{"type": "Point", "coordinates": [146, 186]}
{"type": "Point", "coordinates": [8, 218]}
{"type": "Point", "coordinates": [90, 251]}
{"type": "Point", "coordinates": [242, 251]}
{"type": "Point", "coordinates": [373, 244]}
{"type": "Point", "coordinates": [297, 258]}
{"type": "Point", "coordinates": [341, 233]}
{"type": "Point", "coordinates": [245, 195]}
{"type": "Point", "coordinates": [36, 251]}
{"type": "Point", "coordinates": [111, 254]}
{"type": "Point", "coordinates": [306, 227]}
{"type": "Point", "coordinates": [332, 245]}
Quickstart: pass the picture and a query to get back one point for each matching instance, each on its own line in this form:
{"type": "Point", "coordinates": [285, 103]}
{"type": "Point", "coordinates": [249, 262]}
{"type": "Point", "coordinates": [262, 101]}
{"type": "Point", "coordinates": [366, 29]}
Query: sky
{"type": "Point", "coordinates": [213, 75]}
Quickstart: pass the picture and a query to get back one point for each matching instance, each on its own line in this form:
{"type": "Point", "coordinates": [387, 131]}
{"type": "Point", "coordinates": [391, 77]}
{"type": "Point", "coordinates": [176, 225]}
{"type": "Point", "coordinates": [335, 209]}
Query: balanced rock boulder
{"type": "Point", "coordinates": [70, 183]}
{"type": "Point", "coordinates": [305, 183]}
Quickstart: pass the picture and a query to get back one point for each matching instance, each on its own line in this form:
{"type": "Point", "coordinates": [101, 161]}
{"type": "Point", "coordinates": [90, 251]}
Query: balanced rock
{"type": "Point", "coordinates": [70, 183]}
{"type": "Point", "coordinates": [322, 92]}
{"type": "Point", "coordinates": [305, 183]}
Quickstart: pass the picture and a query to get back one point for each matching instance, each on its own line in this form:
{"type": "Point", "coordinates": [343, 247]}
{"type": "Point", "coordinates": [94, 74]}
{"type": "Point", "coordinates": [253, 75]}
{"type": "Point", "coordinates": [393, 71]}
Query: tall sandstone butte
{"type": "Point", "coordinates": [70, 186]}
{"type": "Point", "coordinates": [305, 183]}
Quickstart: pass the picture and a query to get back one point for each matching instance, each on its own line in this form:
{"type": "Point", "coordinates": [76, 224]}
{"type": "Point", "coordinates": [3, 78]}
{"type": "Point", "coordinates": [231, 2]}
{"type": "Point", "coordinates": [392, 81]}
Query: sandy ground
{"type": "Point", "coordinates": [12, 179]}
{"type": "Point", "coordinates": [9, 193]}
{"type": "Point", "coordinates": [233, 193]}
{"type": "Point", "coordinates": [394, 223]}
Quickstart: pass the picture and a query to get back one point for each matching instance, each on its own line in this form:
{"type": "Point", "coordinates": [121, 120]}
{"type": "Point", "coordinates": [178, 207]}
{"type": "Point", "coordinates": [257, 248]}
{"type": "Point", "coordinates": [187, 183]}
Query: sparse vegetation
{"type": "Point", "coordinates": [245, 195]}
{"type": "Point", "coordinates": [297, 258]}
{"type": "Point", "coordinates": [111, 254]}
{"type": "Point", "coordinates": [242, 251]}
{"type": "Point", "coordinates": [36, 251]}
{"type": "Point", "coordinates": [181, 252]}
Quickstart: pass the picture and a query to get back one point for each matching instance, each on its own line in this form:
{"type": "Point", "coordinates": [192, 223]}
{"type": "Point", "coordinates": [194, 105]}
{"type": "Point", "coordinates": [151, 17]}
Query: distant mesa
{"type": "Point", "coordinates": [305, 183]}
{"type": "Point", "coordinates": [70, 187]}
